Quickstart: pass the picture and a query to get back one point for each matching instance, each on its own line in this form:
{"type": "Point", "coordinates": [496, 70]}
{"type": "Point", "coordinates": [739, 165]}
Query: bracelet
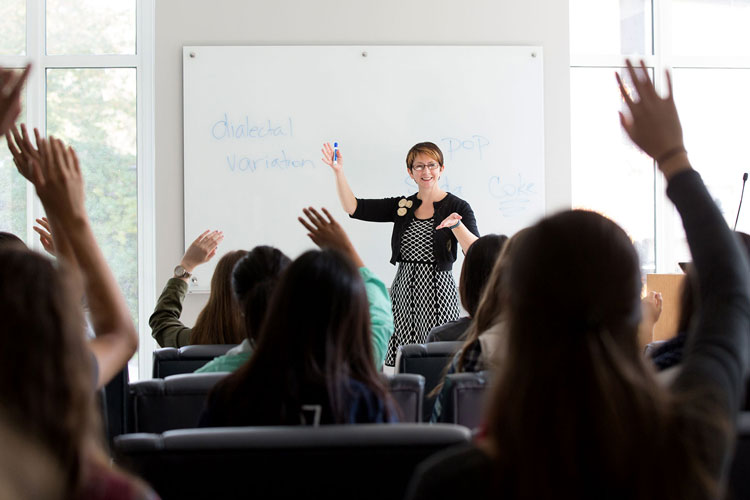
{"type": "Point", "coordinates": [455, 225]}
{"type": "Point", "coordinates": [670, 154]}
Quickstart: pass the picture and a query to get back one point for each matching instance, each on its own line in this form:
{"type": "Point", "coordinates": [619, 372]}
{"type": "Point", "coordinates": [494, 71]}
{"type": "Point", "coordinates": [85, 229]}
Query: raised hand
{"type": "Point", "coordinates": [449, 221]}
{"type": "Point", "coordinates": [327, 158]}
{"type": "Point", "coordinates": [653, 125]}
{"type": "Point", "coordinates": [10, 96]}
{"type": "Point", "coordinates": [201, 250]}
{"type": "Point", "coordinates": [45, 235]}
{"type": "Point", "coordinates": [328, 233]}
{"type": "Point", "coordinates": [23, 151]}
{"type": "Point", "coordinates": [652, 305]}
{"type": "Point", "coordinates": [58, 181]}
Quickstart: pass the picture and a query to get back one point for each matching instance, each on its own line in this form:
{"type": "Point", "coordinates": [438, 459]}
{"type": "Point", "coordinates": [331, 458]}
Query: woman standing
{"type": "Point", "coordinates": [428, 226]}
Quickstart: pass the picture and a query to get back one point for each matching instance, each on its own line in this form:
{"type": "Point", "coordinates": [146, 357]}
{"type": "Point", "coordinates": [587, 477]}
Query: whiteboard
{"type": "Point", "coordinates": [255, 119]}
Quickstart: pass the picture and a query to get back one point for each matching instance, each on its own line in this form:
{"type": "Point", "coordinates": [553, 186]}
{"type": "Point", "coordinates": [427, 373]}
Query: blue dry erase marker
{"type": "Point", "coordinates": [335, 152]}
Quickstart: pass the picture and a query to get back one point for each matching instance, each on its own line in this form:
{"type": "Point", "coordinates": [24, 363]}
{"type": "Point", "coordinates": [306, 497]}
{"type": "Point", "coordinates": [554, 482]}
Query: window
{"type": "Point", "coordinates": [703, 43]}
{"type": "Point", "coordinates": [90, 86]}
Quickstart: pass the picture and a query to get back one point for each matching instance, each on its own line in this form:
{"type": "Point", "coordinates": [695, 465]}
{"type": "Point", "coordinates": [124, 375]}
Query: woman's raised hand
{"type": "Point", "coordinates": [449, 221]}
{"type": "Point", "coordinates": [201, 250]}
{"type": "Point", "coordinates": [23, 151]}
{"type": "Point", "coordinates": [45, 235]}
{"type": "Point", "coordinates": [653, 125]}
{"type": "Point", "coordinates": [10, 96]}
{"type": "Point", "coordinates": [327, 152]}
{"type": "Point", "coordinates": [326, 232]}
{"type": "Point", "coordinates": [58, 181]}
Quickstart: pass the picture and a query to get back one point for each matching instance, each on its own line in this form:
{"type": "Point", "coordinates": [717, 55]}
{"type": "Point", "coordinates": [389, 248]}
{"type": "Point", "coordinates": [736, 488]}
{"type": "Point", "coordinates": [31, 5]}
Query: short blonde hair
{"type": "Point", "coordinates": [427, 148]}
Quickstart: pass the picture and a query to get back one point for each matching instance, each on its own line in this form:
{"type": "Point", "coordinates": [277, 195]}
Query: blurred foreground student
{"type": "Point", "coordinates": [48, 370]}
{"type": "Point", "coordinates": [576, 412]}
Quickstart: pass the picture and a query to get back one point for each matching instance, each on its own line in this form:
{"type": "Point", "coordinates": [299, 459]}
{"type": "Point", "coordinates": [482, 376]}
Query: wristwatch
{"type": "Point", "coordinates": [181, 272]}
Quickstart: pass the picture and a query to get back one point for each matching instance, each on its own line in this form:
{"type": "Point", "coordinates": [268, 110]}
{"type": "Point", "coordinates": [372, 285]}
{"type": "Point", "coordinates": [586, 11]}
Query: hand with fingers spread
{"type": "Point", "coordinates": [25, 154]}
{"type": "Point", "coordinates": [201, 250]}
{"type": "Point", "coordinates": [328, 233]}
{"type": "Point", "coordinates": [44, 230]}
{"type": "Point", "coordinates": [327, 152]}
{"type": "Point", "coordinates": [654, 125]}
{"type": "Point", "coordinates": [10, 96]}
{"type": "Point", "coordinates": [58, 181]}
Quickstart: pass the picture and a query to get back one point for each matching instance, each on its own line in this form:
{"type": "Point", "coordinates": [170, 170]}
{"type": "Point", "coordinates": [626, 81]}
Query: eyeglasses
{"type": "Point", "coordinates": [419, 166]}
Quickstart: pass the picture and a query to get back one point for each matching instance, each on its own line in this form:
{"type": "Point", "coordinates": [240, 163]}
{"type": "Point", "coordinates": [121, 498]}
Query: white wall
{"type": "Point", "coordinates": [322, 22]}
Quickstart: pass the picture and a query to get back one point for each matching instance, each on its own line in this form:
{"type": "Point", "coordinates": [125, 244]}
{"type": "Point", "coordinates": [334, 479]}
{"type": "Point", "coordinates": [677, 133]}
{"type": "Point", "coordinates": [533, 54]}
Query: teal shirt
{"type": "Point", "coordinates": [381, 314]}
{"type": "Point", "coordinates": [381, 319]}
{"type": "Point", "coordinates": [225, 363]}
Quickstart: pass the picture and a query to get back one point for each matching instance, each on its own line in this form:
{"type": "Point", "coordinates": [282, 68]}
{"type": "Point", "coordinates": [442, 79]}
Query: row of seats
{"type": "Point", "coordinates": [176, 402]}
{"type": "Point", "coordinates": [370, 461]}
{"type": "Point", "coordinates": [428, 360]}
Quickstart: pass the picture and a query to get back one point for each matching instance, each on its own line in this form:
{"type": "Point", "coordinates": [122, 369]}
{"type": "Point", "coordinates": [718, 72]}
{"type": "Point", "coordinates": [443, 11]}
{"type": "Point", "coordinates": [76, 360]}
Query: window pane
{"type": "Point", "coordinates": [610, 27]}
{"type": "Point", "coordinates": [12, 190]}
{"type": "Point", "coordinates": [95, 111]}
{"type": "Point", "coordinates": [716, 132]}
{"type": "Point", "coordinates": [90, 27]}
{"type": "Point", "coordinates": [609, 174]}
{"type": "Point", "coordinates": [13, 27]}
{"type": "Point", "coordinates": [710, 27]}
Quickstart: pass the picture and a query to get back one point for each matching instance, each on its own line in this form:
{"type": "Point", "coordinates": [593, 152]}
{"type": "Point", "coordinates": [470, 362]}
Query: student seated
{"type": "Point", "coordinates": [485, 341]}
{"type": "Point", "coordinates": [253, 280]}
{"type": "Point", "coordinates": [48, 370]}
{"type": "Point", "coordinates": [576, 411]}
{"type": "Point", "coordinates": [314, 361]}
{"type": "Point", "coordinates": [220, 321]}
{"type": "Point", "coordinates": [475, 272]}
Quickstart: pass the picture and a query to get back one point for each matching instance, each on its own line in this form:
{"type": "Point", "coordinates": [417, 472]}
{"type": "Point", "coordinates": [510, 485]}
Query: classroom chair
{"type": "Point", "coordinates": [368, 461]}
{"type": "Point", "coordinates": [176, 402]}
{"type": "Point", "coordinates": [463, 398]}
{"type": "Point", "coordinates": [170, 361]}
{"type": "Point", "coordinates": [430, 361]}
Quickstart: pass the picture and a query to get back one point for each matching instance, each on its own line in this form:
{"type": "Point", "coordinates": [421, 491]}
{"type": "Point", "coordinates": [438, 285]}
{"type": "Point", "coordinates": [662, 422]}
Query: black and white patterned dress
{"type": "Point", "coordinates": [423, 296]}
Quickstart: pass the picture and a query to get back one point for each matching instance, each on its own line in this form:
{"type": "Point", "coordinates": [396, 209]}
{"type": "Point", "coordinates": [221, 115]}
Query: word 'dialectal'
{"type": "Point", "coordinates": [247, 129]}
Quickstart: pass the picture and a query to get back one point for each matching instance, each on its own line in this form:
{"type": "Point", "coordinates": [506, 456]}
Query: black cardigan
{"type": "Point", "coordinates": [444, 244]}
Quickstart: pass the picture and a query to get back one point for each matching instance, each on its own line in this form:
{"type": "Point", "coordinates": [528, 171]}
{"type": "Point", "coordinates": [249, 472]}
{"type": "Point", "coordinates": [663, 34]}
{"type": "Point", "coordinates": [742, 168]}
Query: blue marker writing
{"type": "Point", "coordinates": [335, 152]}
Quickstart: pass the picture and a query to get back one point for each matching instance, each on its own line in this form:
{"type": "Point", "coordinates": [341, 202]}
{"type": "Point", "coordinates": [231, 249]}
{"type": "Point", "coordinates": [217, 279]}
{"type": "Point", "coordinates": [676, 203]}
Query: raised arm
{"type": "Point", "coordinates": [346, 196]}
{"type": "Point", "coordinates": [717, 354]}
{"type": "Point", "coordinates": [59, 184]}
{"type": "Point", "coordinates": [166, 326]}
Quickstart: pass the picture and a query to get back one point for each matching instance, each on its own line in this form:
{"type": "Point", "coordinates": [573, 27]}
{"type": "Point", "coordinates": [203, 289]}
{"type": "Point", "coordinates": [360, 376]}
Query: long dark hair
{"type": "Point", "coordinates": [47, 383]}
{"type": "Point", "coordinates": [316, 337]}
{"type": "Point", "coordinates": [576, 411]}
{"type": "Point", "coordinates": [475, 272]}
{"type": "Point", "coordinates": [220, 321]}
{"type": "Point", "coordinates": [253, 280]}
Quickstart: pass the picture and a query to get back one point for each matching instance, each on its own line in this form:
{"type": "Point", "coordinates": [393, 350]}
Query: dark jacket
{"type": "Point", "coordinates": [445, 244]}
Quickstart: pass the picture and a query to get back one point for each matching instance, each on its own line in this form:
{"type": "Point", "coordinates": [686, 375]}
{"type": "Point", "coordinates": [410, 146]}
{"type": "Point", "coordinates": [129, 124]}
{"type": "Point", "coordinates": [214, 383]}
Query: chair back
{"type": "Point", "coordinates": [430, 361]}
{"type": "Point", "coordinates": [170, 361]}
{"type": "Point", "coordinates": [463, 398]}
{"type": "Point", "coordinates": [368, 461]}
{"type": "Point", "coordinates": [176, 402]}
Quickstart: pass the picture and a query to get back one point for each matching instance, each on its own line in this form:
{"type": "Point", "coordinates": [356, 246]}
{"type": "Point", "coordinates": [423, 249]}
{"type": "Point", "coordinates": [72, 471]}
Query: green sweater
{"type": "Point", "coordinates": [381, 317]}
{"type": "Point", "coordinates": [166, 327]}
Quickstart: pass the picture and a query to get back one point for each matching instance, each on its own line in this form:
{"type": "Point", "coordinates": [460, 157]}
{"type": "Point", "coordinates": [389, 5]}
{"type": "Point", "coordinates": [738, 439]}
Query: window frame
{"type": "Point", "coordinates": [35, 116]}
{"type": "Point", "coordinates": [661, 60]}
